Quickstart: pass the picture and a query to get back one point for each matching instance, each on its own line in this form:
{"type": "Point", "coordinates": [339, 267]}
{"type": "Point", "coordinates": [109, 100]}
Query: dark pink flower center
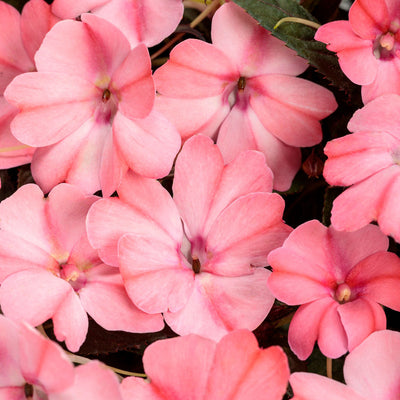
{"type": "Point", "coordinates": [343, 293]}
{"type": "Point", "coordinates": [386, 45]}
{"type": "Point", "coordinates": [73, 275]}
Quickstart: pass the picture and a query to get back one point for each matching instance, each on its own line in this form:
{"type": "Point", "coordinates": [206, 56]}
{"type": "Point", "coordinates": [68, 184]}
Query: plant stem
{"type": "Point", "coordinates": [329, 367]}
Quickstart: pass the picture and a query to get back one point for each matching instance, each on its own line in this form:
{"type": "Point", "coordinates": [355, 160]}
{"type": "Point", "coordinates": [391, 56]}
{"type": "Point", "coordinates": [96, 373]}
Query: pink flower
{"type": "Point", "coordinates": [371, 371]}
{"type": "Point", "coordinates": [147, 21]}
{"type": "Point", "coordinates": [20, 37]}
{"type": "Point", "coordinates": [208, 278]}
{"type": "Point", "coordinates": [368, 46]}
{"type": "Point", "coordinates": [368, 161]}
{"type": "Point", "coordinates": [243, 88]}
{"type": "Point", "coordinates": [338, 278]}
{"type": "Point", "coordinates": [30, 364]}
{"type": "Point", "coordinates": [89, 109]}
{"type": "Point", "coordinates": [49, 270]}
{"type": "Point", "coordinates": [192, 367]}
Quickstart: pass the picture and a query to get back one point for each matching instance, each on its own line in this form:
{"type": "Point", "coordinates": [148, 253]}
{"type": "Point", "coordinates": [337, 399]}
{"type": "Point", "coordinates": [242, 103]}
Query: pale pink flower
{"type": "Point", "coordinates": [371, 372]}
{"type": "Point", "coordinates": [89, 109]}
{"type": "Point", "coordinates": [147, 21]}
{"type": "Point", "coordinates": [368, 46]}
{"type": "Point", "coordinates": [243, 88]}
{"type": "Point", "coordinates": [31, 365]}
{"type": "Point", "coordinates": [207, 278]}
{"type": "Point", "coordinates": [20, 37]}
{"type": "Point", "coordinates": [338, 278]}
{"type": "Point", "coordinates": [368, 161]}
{"type": "Point", "coordinates": [48, 270]}
{"type": "Point", "coordinates": [192, 367]}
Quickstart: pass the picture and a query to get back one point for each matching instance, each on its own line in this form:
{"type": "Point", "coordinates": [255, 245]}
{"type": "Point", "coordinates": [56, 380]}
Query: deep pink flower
{"type": "Point", "coordinates": [89, 109]}
{"type": "Point", "coordinates": [20, 37]}
{"type": "Point", "coordinates": [368, 46]}
{"type": "Point", "coordinates": [208, 278]}
{"type": "Point", "coordinates": [49, 270]}
{"type": "Point", "coordinates": [243, 88]}
{"type": "Point", "coordinates": [371, 371]}
{"type": "Point", "coordinates": [147, 21]}
{"type": "Point", "coordinates": [338, 278]}
{"type": "Point", "coordinates": [368, 161]}
{"type": "Point", "coordinates": [192, 367]}
{"type": "Point", "coordinates": [31, 364]}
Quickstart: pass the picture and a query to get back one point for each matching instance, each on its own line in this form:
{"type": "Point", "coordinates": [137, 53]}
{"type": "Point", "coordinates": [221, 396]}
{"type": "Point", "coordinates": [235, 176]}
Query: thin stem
{"type": "Point", "coordinates": [329, 367]}
{"type": "Point", "coordinates": [167, 45]}
{"type": "Point", "coordinates": [298, 20]}
{"type": "Point", "coordinates": [14, 148]}
{"type": "Point", "coordinates": [83, 360]}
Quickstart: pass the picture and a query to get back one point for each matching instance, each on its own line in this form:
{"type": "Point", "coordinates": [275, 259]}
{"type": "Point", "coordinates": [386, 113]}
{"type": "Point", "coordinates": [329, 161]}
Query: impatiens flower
{"type": "Point", "coordinates": [31, 366]}
{"type": "Point", "coordinates": [368, 160]}
{"type": "Point", "coordinates": [89, 109]}
{"type": "Point", "coordinates": [147, 21]}
{"type": "Point", "coordinates": [192, 367]}
{"type": "Point", "coordinates": [206, 277]}
{"type": "Point", "coordinates": [338, 278]}
{"type": "Point", "coordinates": [20, 37]}
{"type": "Point", "coordinates": [371, 371]}
{"type": "Point", "coordinates": [243, 88]}
{"type": "Point", "coordinates": [49, 270]}
{"type": "Point", "coordinates": [368, 46]}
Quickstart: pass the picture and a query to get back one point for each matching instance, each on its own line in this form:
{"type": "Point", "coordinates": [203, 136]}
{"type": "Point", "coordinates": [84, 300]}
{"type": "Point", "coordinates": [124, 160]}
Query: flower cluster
{"type": "Point", "coordinates": [150, 199]}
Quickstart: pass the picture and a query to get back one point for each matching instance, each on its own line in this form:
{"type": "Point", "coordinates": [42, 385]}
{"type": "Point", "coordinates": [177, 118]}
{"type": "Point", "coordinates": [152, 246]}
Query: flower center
{"type": "Point", "coordinates": [241, 83]}
{"type": "Point", "coordinates": [386, 45]}
{"type": "Point", "coordinates": [343, 293]}
{"type": "Point", "coordinates": [196, 265]}
{"type": "Point", "coordinates": [75, 277]}
{"type": "Point", "coordinates": [28, 390]}
{"type": "Point", "coordinates": [106, 96]}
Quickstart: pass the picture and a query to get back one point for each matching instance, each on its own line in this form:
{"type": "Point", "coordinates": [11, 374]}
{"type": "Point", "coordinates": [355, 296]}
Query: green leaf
{"type": "Point", "coordinates": [298, 36]}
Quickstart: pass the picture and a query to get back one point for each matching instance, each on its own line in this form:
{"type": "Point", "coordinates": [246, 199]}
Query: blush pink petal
{"type": "Point", "coordinates": [205, 75]}
{"type": "Point", "coordinates": [71, 9]}
{"type": "Point", "coordinates": [153, 201]}
{"type": "Point", "coordinates": [12, 152]}
{"type": "Point", "coordinates": [105, 299]}
{"type": "Point", "coordinates": [109, 219]}
{"type": "Point", "coordinates": [305, 326]}
{"type": "Point", "coordinates": [76, 159]}
{"type": "Point", "coordinates": [32, 295]}
{"type": "Point", "coordinates": [355, 157]}
{"type": "Point", "coordinates": [93, 51]}
{"type": "Point", "coordinates": [387, 81]}
{"type": "Point", "coordinates": [332, 338]}
{"type": "Point", "coordinates": [378, 116]}
{"type": "Point", "coordinates": [180, 370]}
{"type": "Point", "coordinates": [66, 212]}
{"type": "Point", "coordinates": [28, 198]}
{"type": "Point", "coordinates": [360, 318]}
{"type": "Point", "coordinates": [242, 130]}
{"type": "Point", "coordinates": [240, 37]}
{"type": "Point", "coordinates": [241, 370]}
{"type": "Point", "coordinates": [156, 277]}
{"type": "Point", "coordinates": [134, 84]}
{"type": "Point", "coordinates": [36, 20]}
{"type": "Point", "coordinates": [370, 196]}
{"type": "Point", "coordinates": [190, 116]}
{"type": "Point", "coordinates": [40, 358]}
{"type": "Point", "coordinates": [249, 173]}
{"type": "Point", "coordinates": [236, 242]}
{"type": "Point", "coordinates": [378, 379]}
{"type": "Point", "coordinates": [67, 100]}
{"type": "Point", "coordinates": [139, 389]}
{"type": "Point", "coordinates": [198, 171]}
{"type": "Point", "coordinates": [93, 381]}
{"type": "Point", "coordinates": [297, 101]}
{"type": "Point", "coordinates": [149, 145]}
{"type": "Point", "coordinates": [355, 54]}
{"type": "Point", "coordinates": [378, 277]}
{"type": "Point", "coordinates": [307, 386]}
{"type": "Point", "coordinates": [149, 21]}
{"type": "Point", "coordinates": [14, 59]}
{"type": "Point", "coordinates": [220, 304]}
{"type": "Point", "coordinates": [369, 18]}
